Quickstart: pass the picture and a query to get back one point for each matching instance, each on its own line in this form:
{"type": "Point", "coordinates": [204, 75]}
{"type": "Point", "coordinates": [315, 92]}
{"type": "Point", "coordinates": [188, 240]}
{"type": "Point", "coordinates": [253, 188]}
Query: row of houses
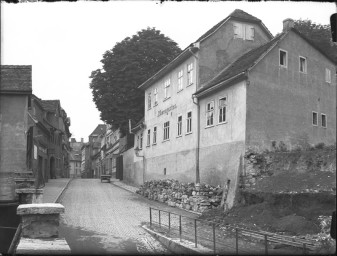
{"type": "Point", "coordinates": [236, 88]}
{"type": "Point", "coordinates": [34, 132]}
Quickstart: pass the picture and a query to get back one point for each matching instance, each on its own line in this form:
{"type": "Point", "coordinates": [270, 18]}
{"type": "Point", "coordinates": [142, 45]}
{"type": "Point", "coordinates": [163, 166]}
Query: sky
{"type": "Point", "coordinates": [65, 41]}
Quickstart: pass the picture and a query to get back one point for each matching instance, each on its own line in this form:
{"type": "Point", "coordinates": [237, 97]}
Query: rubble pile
{"type": "Point", "coordinates": [189, 196]}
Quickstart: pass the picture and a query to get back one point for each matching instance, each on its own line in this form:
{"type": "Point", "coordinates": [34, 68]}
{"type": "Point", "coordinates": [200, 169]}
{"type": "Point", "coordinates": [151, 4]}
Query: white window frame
{"type": "Point", "coordinates": [327, 75]}
{"type": "Point", "coordinates": [221, 109]}
{"type": "Point", "coordinates": [286, 58]}
{"type": "Point", "coordinates": [149, 100]}
{"type": "Point", "coordinates": [305, 65]}
{"type": "Point", "coordinates": [180, 80]}
{"type": "Point", "coordinates": [188, 122]}
{"type": "Point", "coordinates": [167, 85]}
{"type": "Point", "coordinates": [326, 121]}
{"type": "Point", "coordinates": [244, 31]}
{"type": "Point", "coordinates": [210, 113]}
{"type": "Point", "coordinates": [179, 125]}
{"type": "Point", "coordinates": [154, 139]}
{"type": "Point", "coordinates": [155, 93]}
{"type": "Point", "coordinates": [148, 139]}
{"type": "Point", "coordinates": [166, 129]}
{"type": "Point", "coordinates": [190, 74]}
{"type": "Point", "coordinates": [312, 116]}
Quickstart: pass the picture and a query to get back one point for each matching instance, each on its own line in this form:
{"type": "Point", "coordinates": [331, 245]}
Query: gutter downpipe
{"type": "Point", "coordinates": [197, 170]}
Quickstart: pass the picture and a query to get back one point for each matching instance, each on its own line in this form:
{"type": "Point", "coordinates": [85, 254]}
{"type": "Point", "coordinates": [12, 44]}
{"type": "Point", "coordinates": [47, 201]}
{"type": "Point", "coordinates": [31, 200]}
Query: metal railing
{"type": "Point", "coordinates": [205, 233]}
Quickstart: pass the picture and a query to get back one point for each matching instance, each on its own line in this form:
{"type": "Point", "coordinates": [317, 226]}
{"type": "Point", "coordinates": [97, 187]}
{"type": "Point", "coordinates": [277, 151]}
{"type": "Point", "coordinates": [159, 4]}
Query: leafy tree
{"type": "Point", "coordinates": [130, 63]}
{"type": "Point", "coordinates": [318, 34]}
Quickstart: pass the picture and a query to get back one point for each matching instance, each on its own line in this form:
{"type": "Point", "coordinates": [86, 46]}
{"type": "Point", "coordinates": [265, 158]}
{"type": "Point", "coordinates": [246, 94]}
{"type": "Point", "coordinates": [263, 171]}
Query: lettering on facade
{"type": "Point", "coordinates": [161, 112]}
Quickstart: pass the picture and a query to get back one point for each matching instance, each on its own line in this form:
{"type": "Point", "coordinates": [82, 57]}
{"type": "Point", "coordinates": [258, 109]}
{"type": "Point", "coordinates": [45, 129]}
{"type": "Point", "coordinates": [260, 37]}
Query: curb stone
{"type": "Point", "coordinates": [177, 246]}
{"type": "Point", "coordinates": [62, 191]}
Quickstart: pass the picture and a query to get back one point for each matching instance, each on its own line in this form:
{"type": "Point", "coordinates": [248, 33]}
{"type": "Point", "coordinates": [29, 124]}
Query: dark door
{"type": "Point", "coordinates": [119, 167]}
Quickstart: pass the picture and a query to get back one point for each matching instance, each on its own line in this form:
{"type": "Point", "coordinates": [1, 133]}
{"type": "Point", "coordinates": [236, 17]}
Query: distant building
{"type": "Point", "coordinates": [15, 92]}
{"type": "Point", "coordinates": [75, 158]}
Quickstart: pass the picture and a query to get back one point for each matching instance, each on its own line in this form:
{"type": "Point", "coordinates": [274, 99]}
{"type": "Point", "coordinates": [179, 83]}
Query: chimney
{"type": "Point", "coordinates": [288, 24]}
{"type": "Point", "coordinates": [82, 140]}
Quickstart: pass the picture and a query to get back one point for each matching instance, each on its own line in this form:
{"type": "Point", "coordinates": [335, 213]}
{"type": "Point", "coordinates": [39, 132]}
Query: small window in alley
{"type": "Point", "coordinates": [209, 113]}
{"type": "Point", "coordinates": [180, 80]}
{"type": "Point", "coordinates": [303, 65]}
{"type": "Point", "coordinates": [154, 140]}
{"type": "Point", "coordinates": [155, 97]}
{"type": "Point", "coordinates": [149, 100]}
{"type": "Point", "coordinates": [189, 122]}
{"type": "Point", "coordinates": [190, 74]}
{"type": "Point", "coordinates": [167, 130]}
{"type": "Point", "coordinates": [323, 117]}
{"type": "Point", "coordinates": [283, 58]}
{"type": "Point", "coordinates": [222, 109]}
{"type": "Point", "coordinates": [314, 118]}
{"type": "Point", "coordinates": [179, 125]}
{"type": "Point", "coordinates": [148, 137]}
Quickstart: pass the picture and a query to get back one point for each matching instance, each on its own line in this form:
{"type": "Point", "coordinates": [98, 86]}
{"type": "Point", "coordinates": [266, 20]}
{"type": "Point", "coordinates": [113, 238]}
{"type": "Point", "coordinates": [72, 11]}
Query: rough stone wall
{"type": "Point", "coordinates": [132, 170]}
{"type": "Point", "coordinates": [189, 196]}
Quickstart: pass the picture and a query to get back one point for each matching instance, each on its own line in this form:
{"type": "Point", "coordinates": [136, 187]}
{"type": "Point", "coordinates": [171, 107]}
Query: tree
{"type": "Point", "coordinates": [319, 35]}
{"type": "Point", "coordinates": [130, 63]}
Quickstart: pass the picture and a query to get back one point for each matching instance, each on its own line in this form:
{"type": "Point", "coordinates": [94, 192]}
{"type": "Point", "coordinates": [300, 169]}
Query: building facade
{"type": "Point", "coordinates": [236, 88]}
{"type": "Point", "coordinates": [75, 158]}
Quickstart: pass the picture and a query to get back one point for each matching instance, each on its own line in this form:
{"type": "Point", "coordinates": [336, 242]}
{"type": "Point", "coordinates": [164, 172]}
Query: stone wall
{"type": "Point", "coordinates": [189, 196]}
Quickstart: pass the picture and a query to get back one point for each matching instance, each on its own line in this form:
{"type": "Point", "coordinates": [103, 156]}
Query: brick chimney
{"type": "Point", "coordinates": [288, 24]}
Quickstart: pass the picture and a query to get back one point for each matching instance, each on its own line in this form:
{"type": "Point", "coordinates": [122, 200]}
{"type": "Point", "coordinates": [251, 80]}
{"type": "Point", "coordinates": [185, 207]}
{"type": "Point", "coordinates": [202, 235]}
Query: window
{"type": "Point", "coordinates": [244, 31]}
{"type": "Point", "coordinates": [148, 137]}
{"type": "Point", "coordinates": [314, 118]}
{"type": "Point", "coordinates": [155, 135]}
{"type": "Point", "coordinates": [166, 89]}
{"type": "Point", "coordinates": [179, 125]}
{"type": "Point", "coordinates": [189, 74]}
{"type": "Point", "coordinates": [303, 65]}
{"type": "Point", "coordinates": [155, 96]}
{"type": "Point", "coordinates": [283, 58]}
{"type": "Point", "coordinates": [167, 130]}
{"type": "Point", "coordinates": [180, 80]}
{"type": "Point", "coordinates": [149, 100]}
{"type": "Point", "coordinates": [222, 109]}
{"type": "Point", "coordinates": [209, 113]}
{"type": "Point", "coordinates": [323, 117]}
{"type": "Point", "coordinates": [189, 122]}
{"type": "Point", "coordinates": [141, 141]}
{"type": "Point", "coordinates": [327, 75]}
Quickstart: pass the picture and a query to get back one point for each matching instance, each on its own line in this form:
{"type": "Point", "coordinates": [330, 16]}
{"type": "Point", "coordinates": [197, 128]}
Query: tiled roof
{"type": "Point", "coordinates": [100, 129]}
{"type": "Point", "coordinates": [16, 78]}
{"type": "Point", "coordinates": [239, 14]}
{"type": "Point", "coordinates": [244, 62]}
{"type": "Point", "coordinates": [50, 105]}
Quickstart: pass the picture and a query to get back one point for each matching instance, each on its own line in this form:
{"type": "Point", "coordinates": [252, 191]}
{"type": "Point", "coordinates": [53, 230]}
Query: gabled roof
{"type": "Point", "coordinates": [248, 60]}
{"type": "Point", "coordinates": [243, 63]}
{"type": "Point", "coordinates": [16, 79]}
{"type": "Point", "coordinates": [100, 129]}
{"type": "Point", "coordinates": [51, 105]}
{"type": "Point", "coordinates": [236, 14]}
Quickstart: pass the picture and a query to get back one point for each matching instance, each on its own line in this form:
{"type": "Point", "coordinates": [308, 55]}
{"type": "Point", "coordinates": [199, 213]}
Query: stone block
{"type": "Point", "coordinates": [30, 195]}
{"type": "Point", "coordinates": [49, 208]}
{"type": "Point", "coordinates": [40, 226]}
{"type": "Point", "coordinates": [57, 246]}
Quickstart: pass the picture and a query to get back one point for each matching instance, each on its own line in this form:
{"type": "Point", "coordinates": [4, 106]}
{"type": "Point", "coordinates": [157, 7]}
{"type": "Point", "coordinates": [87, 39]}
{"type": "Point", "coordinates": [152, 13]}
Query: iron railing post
{"type": "Point", "coordinates": [214, 237]}
{"type": "Point", "coordinates": [180, 229]}
{"type": "Point", "coordinates": [237, 241]}
{"type": "Point", "coordinates": [169, 221]}
{"type": "Point", "coordinates": [304, 249]}
{"type": "Point", "coordinates": [150, 217]}
{"type": "Point", "coordinates": [159, 219]}
{"type": "Point", "coordinates": [195, 232]}
{"type": "Point", "coordinates": [266, 244]}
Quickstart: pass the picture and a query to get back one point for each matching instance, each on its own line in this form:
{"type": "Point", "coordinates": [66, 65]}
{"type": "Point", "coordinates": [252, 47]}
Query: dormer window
{"type": "Point", "coordinates": [244, 31]}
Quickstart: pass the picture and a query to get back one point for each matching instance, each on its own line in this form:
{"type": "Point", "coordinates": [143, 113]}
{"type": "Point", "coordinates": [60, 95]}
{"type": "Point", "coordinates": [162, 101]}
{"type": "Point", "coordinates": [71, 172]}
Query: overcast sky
{"type": "Point", "coordinates": [65, 41]}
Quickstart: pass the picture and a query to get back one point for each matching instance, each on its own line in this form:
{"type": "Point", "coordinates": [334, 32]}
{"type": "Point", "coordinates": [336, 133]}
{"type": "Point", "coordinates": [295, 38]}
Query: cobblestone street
{"type": "Point", "coordinates": [101, 218]}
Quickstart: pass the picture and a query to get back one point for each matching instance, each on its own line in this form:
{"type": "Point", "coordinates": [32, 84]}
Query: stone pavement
{"type": "Point", "coordinates": [121, 184]}
{"type": "Point", "coordinates": [53, 189]}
